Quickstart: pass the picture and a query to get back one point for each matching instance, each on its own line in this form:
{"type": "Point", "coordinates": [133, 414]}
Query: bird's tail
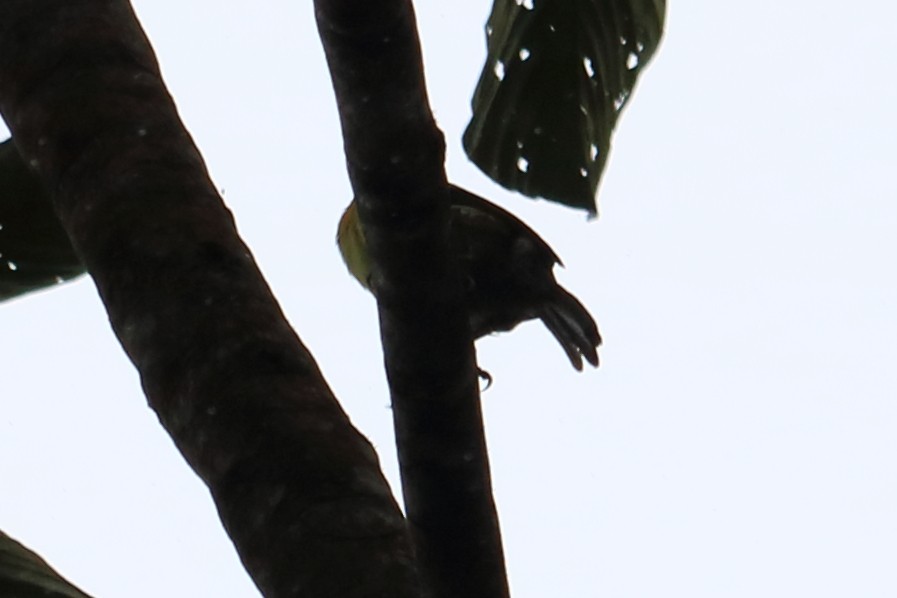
{"type": "Point", "coordinates": [573, 327]}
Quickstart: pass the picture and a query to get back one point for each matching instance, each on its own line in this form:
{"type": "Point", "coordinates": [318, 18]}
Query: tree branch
{"type": "Point", "coordinates": [298, 489]}
{"type": "Point", "coordinates": [395, 156]}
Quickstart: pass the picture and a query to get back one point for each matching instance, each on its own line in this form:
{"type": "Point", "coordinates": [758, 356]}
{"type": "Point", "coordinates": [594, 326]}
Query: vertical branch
{"type": "Point", "coordinates": [395, 156]}
{"type": "Point", "coordinates": [298, 489]}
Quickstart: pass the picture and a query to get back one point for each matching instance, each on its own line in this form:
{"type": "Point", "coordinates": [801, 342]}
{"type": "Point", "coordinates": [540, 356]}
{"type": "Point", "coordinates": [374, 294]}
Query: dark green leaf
{"type": "Point", "coordinates": [35, 251]}
{"type": "Point", "coordinates": [556, 77]}
{"type": "Point", "coordinates": [23, 574]}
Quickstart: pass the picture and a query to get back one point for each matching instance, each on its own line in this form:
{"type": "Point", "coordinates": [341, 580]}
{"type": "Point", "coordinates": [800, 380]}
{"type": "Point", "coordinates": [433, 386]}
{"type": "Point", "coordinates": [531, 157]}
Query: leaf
{"type": "Point", "coordinates": [23, 574]}
{"type": "Point", "coordinates": [35, 251]}
{"type": "Point", "coordinates": [557, 75]}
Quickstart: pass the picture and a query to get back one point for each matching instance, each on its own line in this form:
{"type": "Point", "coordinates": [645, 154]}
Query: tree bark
{"type": "Point", "coordinates": [298, 489]}
{"type": "Point", "coordinates": [395, 156]}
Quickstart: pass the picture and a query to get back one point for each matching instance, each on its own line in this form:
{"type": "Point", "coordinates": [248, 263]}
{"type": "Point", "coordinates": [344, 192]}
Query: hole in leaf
{"type": "Point", "coordinates": [619, 101]}
{"type": "Point", "coordinates": [587, 65]}
{"type": "Point", "coordinates": [499, 70]}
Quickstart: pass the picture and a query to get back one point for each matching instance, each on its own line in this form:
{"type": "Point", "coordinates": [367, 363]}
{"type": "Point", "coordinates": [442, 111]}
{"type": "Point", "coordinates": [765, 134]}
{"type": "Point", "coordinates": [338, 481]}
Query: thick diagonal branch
{"type": "Point", "coordinates": [395, 156]}
{"type": "Point", "coordinates": [297, 487]}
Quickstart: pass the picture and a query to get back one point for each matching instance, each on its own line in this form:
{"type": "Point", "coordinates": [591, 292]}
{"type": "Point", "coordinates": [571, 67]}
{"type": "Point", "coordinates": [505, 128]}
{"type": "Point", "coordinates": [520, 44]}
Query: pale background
{"type": "Point", "coordinates": [739, 437]}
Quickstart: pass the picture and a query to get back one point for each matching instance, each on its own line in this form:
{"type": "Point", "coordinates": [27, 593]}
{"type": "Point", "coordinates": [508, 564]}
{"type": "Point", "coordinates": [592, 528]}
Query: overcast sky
{"type": "Point", "coordinates": [739, 438]}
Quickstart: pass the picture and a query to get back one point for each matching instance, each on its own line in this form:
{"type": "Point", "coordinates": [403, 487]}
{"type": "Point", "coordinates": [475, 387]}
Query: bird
{"type": "Point", "coordinates": [508, 270]}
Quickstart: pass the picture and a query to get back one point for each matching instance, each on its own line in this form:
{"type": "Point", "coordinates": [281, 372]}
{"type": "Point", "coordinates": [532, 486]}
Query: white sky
{"type": "Point", "coordinates": [739, 438]}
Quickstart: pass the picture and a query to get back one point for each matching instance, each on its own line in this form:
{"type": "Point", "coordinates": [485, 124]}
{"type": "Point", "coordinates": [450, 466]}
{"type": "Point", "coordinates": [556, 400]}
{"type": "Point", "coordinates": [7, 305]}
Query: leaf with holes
{"type": "Point", "coordinates": [35, 251]}
{"type": "Point", "coordinates": [557, 76]}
